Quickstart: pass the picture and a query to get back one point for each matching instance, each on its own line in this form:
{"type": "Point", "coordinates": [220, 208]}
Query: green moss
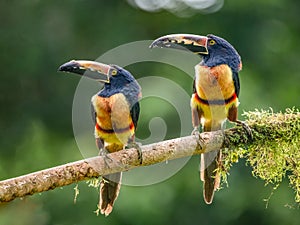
{"type": "Point", "coordinates": [274, 152]}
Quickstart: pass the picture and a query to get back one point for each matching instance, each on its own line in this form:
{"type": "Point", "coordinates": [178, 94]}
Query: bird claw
{"type": "Point", "coordinates": [105, 154]}
{"type": "Point", "coordinates": [195, 131]}
{"type": "Point", "coordinates": [246, 128]}
{"type": "Point", "coordinates": [137, 146]}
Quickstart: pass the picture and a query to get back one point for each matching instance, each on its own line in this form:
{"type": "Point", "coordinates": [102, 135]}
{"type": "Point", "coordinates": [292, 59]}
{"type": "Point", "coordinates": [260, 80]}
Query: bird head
{"type": "Point", "coordinates": [112, 76]}
{"type": "Point", "coordinates": [213, 49]}
{"type": "Point", "coordinates": [115, 78]}
{"type": "Point", "coordinates": [119, 77]}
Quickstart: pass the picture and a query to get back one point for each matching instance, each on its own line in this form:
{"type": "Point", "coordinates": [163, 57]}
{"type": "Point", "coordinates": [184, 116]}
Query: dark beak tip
{"type": "Point", "coordinates": [61, 68]}
{"type": "Point", "coordinates": [68, 67]}
{"type": "Point", "coordinates": [153, 45]}
{"type": "Point", "coordinates": [158, 44]}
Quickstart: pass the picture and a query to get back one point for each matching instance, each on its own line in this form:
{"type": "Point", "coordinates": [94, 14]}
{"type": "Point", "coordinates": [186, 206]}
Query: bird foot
{"type": "Point", "coordinates": [137, 146]}
{"type": "Point", "coordinates": [226, 140]}
{"type": "Point", "coordinates": [195, 131]}
{"type": "Point", "coordinates": [246, 128]}
{"type": "Point", "coordinates": [105, 154]}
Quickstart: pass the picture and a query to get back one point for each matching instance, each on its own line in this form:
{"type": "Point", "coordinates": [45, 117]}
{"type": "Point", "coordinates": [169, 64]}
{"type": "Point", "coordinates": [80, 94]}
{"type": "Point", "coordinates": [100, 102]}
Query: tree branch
{"type": "Point", "coordinates": [265, 126]}
{"type": "Point", "coordinates": [94, 167]}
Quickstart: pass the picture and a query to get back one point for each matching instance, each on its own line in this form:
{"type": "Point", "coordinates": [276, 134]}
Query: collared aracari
{"type": "Point", "coordinates": [216, 89]}
{"type": "Point", "coordinates": [115, 111]}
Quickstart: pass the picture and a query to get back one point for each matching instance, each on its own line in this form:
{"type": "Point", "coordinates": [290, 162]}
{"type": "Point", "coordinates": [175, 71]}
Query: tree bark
{"type": "Point", "coordinates": [124, 160]}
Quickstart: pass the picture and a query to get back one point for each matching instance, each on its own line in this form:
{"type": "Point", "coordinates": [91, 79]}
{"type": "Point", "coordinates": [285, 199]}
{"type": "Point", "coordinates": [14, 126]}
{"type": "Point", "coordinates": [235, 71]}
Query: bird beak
{"type": "Point", "coordinates": [195, 43]}
{"type": "Point", "coordinates": [91, 69]}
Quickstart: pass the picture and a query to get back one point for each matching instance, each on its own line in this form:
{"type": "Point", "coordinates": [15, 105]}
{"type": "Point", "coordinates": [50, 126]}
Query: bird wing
{"type": "Point", "coordinates": [99, 141]}
{"type": "Point", "coordinates": [194, 86]}
{"type": "Point", "coordinates": [135, 113]}
{"type": "Point", "coordinates": [236, 82]}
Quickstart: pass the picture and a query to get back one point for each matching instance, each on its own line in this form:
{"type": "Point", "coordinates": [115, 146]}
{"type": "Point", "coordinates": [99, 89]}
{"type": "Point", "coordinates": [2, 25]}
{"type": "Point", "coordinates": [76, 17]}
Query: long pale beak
{"type": "Point", "coordinates": [195, 43]}
{"type": "Point", "coordinates": [91, 69]}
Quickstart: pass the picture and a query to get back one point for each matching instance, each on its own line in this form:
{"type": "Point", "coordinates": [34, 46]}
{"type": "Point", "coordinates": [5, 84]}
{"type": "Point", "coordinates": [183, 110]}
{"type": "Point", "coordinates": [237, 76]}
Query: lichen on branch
{"type": "Point", "coordinates": [274, 152]}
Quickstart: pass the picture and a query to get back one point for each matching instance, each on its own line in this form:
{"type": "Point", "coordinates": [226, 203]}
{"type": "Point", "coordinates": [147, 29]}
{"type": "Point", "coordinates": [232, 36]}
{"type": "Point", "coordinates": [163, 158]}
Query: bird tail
{"type": "Point", "coordinates": [109, 190]}
{"type": "Point", "coordinates": [209, 172]}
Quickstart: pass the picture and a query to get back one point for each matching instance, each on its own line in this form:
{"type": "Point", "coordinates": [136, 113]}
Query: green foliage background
{"type": "Point", "coordinates": [36, 105]}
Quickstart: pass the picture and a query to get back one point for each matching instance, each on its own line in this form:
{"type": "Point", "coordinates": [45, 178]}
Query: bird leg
{"type": "Point", "coordinates": [103, 152]}
{"type": "Point", "coordinates": [196, 118]}
{"type": "Point", "coordinates": [195, 131]}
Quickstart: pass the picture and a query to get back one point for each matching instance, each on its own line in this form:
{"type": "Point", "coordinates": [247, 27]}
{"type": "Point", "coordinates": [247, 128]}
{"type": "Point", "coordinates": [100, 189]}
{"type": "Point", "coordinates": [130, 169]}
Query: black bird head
{"type": "Point", "coordinates": [115, 78]}
{"type": "Point", "coordinates": [214, 50]}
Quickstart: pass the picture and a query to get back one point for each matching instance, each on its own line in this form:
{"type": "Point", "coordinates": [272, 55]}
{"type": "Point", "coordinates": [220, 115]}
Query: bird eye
{"type": "Point", "coordinates": [212, 42]}
{"type": "Point", "coordinates": [114, 72]}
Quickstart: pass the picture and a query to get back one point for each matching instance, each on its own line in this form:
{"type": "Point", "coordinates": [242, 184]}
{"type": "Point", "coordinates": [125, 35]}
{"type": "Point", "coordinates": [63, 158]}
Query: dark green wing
{"type": "Point", "coordinates": [99, 141]}
{"type": "Point", "coordinates": [236, 82]}
{"type": "Point", "coordinates": [135, 113]}
{"type": "Point", "coordinates": [94, 115]}
{"type": "Point", "coordinates": [194, 87]}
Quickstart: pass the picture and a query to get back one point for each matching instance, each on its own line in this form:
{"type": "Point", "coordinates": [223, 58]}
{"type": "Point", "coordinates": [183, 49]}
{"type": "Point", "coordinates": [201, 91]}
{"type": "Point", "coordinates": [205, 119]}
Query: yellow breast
{"type": "Point", "coordinates": [114, 123]}
{"type": "Point", "coordinates": [214, 83]}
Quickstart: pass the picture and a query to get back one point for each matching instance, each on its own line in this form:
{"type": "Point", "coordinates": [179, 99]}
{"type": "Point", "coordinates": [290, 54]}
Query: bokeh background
{"type": "Point", "coordinates": [36, 103]}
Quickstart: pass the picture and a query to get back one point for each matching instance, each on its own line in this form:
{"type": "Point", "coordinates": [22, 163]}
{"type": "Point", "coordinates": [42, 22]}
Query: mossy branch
{"type": "Point", "coordinates": [273, 151]}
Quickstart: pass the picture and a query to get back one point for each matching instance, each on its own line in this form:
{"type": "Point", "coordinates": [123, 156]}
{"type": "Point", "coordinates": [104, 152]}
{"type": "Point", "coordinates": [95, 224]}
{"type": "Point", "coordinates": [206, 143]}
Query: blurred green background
{"type": "Point", "coordinates": [36, 105]}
